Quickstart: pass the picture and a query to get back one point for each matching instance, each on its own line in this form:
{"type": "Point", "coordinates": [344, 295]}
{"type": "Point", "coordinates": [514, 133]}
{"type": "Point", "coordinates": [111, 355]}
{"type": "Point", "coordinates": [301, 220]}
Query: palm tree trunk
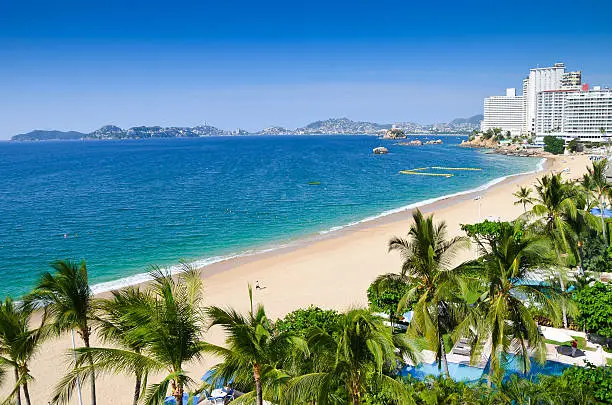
{"type": "Point", "coordinates": [85, 335]}
{"type": "Point", "coordinates": [258, 388]}
{"type": "Point", "coordinates": [17, 388]}
{"type": "Point", "coordinates": [26, 393]}
{"type": "Point", "coordinates": [137, 388]}
{"type": "Point", "coordinates": [443, 356]}
{"type": "Point", "coordinates": [603, 222]}
{"type": "Point", "coordinates": [177, 392]}
{"type": "Point", "coordinates": [562, 283]}
{"type": "Point", "coordinates": [356, 394]}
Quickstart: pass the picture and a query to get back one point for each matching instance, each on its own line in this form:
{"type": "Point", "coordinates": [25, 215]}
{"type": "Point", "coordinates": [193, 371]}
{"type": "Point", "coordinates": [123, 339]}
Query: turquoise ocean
{"type": "Point", "coordinates": [126, 205]}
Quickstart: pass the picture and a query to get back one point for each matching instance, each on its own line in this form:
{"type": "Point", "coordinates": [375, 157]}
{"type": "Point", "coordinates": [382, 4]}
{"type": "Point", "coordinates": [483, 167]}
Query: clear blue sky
{"type": "Point", "coordinates": [82, 64]}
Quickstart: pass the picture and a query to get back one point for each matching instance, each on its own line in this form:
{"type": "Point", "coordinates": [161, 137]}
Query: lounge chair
{"type": "Point", "coordinates": [215, 399]}
{"type": "Point", "coordinates": [462, 347]}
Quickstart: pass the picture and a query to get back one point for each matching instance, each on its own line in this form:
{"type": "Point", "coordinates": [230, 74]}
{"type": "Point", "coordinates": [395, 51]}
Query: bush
{"type": "Point", "coordinates": [597, 380]}
{"type": "Point", "coordinates": [386, 298]}
{"type": "Point", "coordinates": [300, 320]}
{"type": "Point", "coordinates": [595, 306]}
{"type": "Point", "coordinates": [596, 254]}
{"type": "Point", "coordinates": [554, 145]}
{"type": "Point", "coordinates": [575, 146]}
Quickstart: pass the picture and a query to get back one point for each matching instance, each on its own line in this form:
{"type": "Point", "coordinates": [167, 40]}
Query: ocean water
{"type": "Point", "coordinates": [126, 205]}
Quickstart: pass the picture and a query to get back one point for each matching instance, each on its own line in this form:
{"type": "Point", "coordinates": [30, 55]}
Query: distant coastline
{"type": "Point", "coordinates": [332, 126]}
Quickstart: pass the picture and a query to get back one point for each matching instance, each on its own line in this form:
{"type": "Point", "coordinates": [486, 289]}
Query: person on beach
{"type": "Point", "coordinates": [574, 346]}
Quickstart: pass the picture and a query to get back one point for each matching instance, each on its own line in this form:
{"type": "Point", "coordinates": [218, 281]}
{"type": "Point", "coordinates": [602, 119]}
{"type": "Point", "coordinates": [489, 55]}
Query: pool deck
{"type": "Point", "coordinates": [596, 356]}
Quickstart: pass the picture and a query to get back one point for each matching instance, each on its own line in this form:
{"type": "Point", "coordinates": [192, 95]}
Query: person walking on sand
{"type": "Point", "coordinates": [574, 346]}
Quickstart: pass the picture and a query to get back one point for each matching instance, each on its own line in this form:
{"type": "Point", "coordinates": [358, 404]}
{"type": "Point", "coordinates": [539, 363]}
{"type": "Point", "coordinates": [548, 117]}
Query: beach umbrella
{"type": "Point", "coordinates": [567, 351]}
{"type": "Point", "coordinates": [606, 212]}
{"type": "Point", "coordinates": [172, 401]}
{"type": "Point", "coordinates": [220, 383]}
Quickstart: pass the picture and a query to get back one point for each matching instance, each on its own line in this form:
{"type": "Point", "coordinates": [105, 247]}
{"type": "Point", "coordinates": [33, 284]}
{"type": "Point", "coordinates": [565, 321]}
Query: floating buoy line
{"type": "Point", "coordinates": [455, 168]}
{"type": "Point", "coordinates": [419, 171]}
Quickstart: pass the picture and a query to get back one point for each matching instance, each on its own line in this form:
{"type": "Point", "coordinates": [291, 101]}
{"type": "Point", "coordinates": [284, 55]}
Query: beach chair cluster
{"type": "Point", "coordinates": [463, 347]}
{"type": "Point", "coordinates": [220, 395]}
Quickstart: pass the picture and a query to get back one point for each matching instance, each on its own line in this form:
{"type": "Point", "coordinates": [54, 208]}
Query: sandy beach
{"type": "Point", "coordinates": [330, 272]}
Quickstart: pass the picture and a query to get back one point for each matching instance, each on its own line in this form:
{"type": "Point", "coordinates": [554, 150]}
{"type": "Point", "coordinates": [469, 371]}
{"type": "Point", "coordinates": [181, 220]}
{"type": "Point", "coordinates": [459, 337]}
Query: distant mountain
{"type": "Point", "coordinates": [275, 131]}
{"type": "Point", "coordinates": [342, 126]}
{"type": "Point", "coordinates": [474, 120]}
{"type": "Point", "coordinates": [144, 132]}
{"type": "Point", "coordinates": [456, 126]}
{"type": "Point", "coordinates": [331, 126]}
{"type": "Point", "coordinates": [42, 135]}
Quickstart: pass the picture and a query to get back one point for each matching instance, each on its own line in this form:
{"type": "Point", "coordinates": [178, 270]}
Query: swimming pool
{"type": "Point", "coordinates": [458, 372]}
{"type": "Point", "coordinates": [466, 373]}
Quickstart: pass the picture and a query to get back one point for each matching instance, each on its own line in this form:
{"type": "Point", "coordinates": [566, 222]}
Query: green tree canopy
{"type": "Point", "coordinates": [595, 306]}
{"type": "Point", "coordinates": [300, 320]}
{"type": "Point", "coordinates": [554, 145]}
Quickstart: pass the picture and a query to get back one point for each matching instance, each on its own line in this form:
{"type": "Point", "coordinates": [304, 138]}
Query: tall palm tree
{"type": "Point", "coordinates": [555, 208]}
{"type": "Point", "coordinates": [69, 302]}
{"type": "Point", "coordinates": [255, 353]}
{"type": "Point", "coordinates": [19, 343]}
{"type": "Point", "coordinates": [600, 187]}
{"type": "Point", "coordinates": [357, 352]}
{"type": "Point", "coordinates": [501, 316]}
{"type": "Point", "coordinates": [116, 324]}
{"type": "Point", "coordinates": [523, 196]}
{"type": "Point", "coordinates": [428, 255]}
{"type": "Point", "coordinates": [162, 331]}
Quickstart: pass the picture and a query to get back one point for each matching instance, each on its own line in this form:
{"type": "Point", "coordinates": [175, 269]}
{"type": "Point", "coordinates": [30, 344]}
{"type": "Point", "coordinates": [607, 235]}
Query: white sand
{"type": "Point", "coordinates": [333, 272]}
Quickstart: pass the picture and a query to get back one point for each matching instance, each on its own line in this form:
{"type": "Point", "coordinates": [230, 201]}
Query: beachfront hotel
{"type": "Point", "coordinates": [554, 102]}
{"type": "Point", "coordinates": [504, 112]}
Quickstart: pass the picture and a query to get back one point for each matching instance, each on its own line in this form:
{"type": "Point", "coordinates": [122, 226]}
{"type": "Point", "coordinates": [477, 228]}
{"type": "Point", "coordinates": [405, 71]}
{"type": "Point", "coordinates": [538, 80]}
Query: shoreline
{"type": "Point", "coordinates": [331, 271]}
{"type": "Point", "coordinates": [246, 256]}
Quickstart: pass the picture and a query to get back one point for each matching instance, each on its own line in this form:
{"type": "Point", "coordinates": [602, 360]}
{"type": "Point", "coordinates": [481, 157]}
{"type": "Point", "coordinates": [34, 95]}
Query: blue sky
{"type": "Point", "coordinates": [76, 65]}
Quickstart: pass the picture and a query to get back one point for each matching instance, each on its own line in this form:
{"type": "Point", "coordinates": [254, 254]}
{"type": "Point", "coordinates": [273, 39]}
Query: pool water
{"type": "Point", "coordinates": [466, 373]}
{"type": "Point", "coordinates": [458, 372]}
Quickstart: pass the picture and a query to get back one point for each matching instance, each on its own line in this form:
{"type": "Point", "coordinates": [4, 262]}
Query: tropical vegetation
{"type": "Point", "coordinates": [540, 269]}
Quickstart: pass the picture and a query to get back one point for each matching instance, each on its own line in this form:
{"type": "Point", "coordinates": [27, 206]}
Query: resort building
{"type": "Point", "coordinates": [571, 80]}
{"type": "Point", "coordinates": [584, 114]}
{"type": "Point", "coordinates": [549, 111]}
{"type": "Point", "coordinates": [540, 79]}
{"type": "Point", "coordinates": [588, 115]}
{"type": "Point", "coordinates": [554, 102]}
{"type": "Point", "coordinates": [504, 112]}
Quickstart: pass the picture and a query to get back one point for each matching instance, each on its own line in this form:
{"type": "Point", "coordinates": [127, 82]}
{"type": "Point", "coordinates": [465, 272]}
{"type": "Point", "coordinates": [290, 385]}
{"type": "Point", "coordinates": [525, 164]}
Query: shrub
{"type": "Point", "coordinates": [554, 145]}
{"type": "Point", "coordinates": [598, 380]}
{"type": "Point", "coordinates": [385, 299]}
{"type": "Point", "coordinates": [595, 306]}
{"type": "Point", "coordinates": [300, 320]}
{"type": "Point", "coordinates": [596, 254]}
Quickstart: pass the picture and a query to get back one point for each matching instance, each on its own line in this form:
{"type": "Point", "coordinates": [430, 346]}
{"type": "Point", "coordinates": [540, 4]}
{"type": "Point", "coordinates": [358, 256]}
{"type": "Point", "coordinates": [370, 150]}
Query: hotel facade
{"type": "Point", "coordinates": [554, 102]}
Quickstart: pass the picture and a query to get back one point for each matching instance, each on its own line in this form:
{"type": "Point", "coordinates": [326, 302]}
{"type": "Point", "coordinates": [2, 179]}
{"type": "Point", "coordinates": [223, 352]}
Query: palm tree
{"type": "Point", "coordinates": [161, 329]}
{"type": "Point", "coordinates": [68, 301]}
{"type": "Point", "coordinates": [501, 314]}
{"type": "Point", "coordinates": [523, 196]}
{"type": "Point", "coordinates": [354, 356]}
{"type": "Point", "coordinates": [116, 325]}
{"type": "Point", "coordinates": [600, 187]}
{"type": "Point", "coordinates": [427, 259]}
{"type": "Point", "coordinates": [19, 343]}
{"type": "Point", "coordinates": [255, 353]}
{"type": "Point", "coordinates": [555, 206]}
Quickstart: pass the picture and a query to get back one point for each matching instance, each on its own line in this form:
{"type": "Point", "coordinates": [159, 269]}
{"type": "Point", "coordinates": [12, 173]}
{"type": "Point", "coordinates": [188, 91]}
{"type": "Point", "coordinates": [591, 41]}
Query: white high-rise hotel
{"type": "Point", "coordinates": [553, 102]}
